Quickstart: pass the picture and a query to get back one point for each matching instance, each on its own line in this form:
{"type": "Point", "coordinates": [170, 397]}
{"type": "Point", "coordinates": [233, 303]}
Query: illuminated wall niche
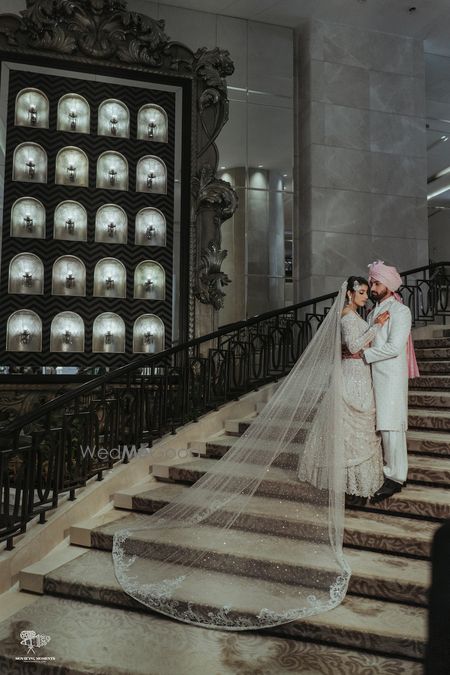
{"type": "Point", "coordinates": [24, 332]}
{"type": "Point", "coordinates": [74, 114]}
{"type": "Point", "coordinates": [149, 281]}
{"type": "Point", "coordinates": [111, 225]}
{"type": "Point", "coordinates": [32, 109]}
{"type": "Point", "coordinates": [110, 279]}
{"type": "Point", "coordinates": [148, 334]}
{"type": "Point", "coordinates": [70, 221]}
{"type": "Point", "coordinates": [30, 163]}
{"type": "Point", "coordinates": [68, 276]}
{"type": "Point", "coordinates": [72, 167]}
{"type": "Point", "coordinates": [26, 275]}
{"type": "Point", "coordinates": [113, 119]}
{"type": "Point", "coordinates": [152, 123]}
{"type": "Point", "coordinates": [151, 175]}
{"type": "Point", "coordinates": [150, 229]}
{"type": "Point", "coordinates": [28, 218]}
{"type": "Point", "coordinates": [67, 333]}
{"type": "Point", "coordinates": [112, 171]}
{"type": "Point", "coordinates": [108, 333]}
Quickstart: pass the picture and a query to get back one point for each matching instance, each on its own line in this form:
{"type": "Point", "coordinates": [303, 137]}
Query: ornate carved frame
{"type": "Point", "coordinates": [103, 34]}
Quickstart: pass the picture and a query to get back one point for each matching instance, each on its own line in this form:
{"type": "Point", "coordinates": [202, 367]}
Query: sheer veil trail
{"type": "Point", "coordinates": [251, 544]}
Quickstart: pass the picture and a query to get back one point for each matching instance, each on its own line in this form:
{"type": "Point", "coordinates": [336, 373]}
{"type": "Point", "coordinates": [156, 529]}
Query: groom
{"type": "Point", "coordinates": [388, 356]}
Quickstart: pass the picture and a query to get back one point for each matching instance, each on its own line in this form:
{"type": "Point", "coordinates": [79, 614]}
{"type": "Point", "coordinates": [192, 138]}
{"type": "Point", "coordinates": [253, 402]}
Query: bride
{"type": "Point", "coordinates": [258, 540]}
{"type": "Point", "coordinates": [362, 445]}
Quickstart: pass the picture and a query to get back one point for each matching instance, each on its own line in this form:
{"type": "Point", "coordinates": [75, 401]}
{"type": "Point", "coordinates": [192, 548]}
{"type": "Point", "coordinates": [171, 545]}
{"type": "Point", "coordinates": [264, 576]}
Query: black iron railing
{"type": "Point", "coordinates": [80, 434]}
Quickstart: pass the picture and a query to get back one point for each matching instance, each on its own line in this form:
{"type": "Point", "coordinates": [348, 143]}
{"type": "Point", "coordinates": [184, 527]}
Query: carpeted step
{"type": "Point", "coordinates": [149, 644]}
{"type": "Point", "coordinates": [433, 354]}
{"type": "Point", "coordinates": [428, 442]}
{"type": "Point", "coordinates": [429, 399]}
{"type": "Point", "coordinates": [442, 367]}
{"type": "Point", "coordinates": [365, 530]}
{"type": "Point", "coordinates": [361, 623]}
{"type": "Point", "coordinates": [432, 343]}
{"type": "Point", "coordinates": [426, 470]}
{"type": "Point", "coordinates": [270, 558]}
{"type": "Point", "coordinates": [438, 420]}
{"type": "Point", "coordinates": [439, 382]}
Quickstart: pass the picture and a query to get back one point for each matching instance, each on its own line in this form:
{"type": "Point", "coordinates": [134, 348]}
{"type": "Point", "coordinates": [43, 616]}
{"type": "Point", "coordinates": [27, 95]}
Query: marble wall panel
{"type": "Point", "coordinates": [232, 35]}
{"type": "Point", "coordinates": [195, 29]}
{"type": "Point", "coordinates": [340, 84]}
{"type": "Point", "coordinates": [340, 168]}
{"type": "Point", "coordinates": [346, 127]}
{"type": "Point", "coordinates": [401, 94]}
{"type": "Point", "coordinates": [270, 59]}
{"type": "Point", "coordinates": [343, 211]}
{"type": "Point", "coordinates": [397, 134]}
{"type": "Point", "coordinates": [398, 175]}
{"type": "Point", "coordinates": [396, 216]}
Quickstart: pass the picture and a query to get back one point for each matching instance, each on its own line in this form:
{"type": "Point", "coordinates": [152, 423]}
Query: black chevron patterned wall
{"type": "Point", "coordinates": [90, 252]}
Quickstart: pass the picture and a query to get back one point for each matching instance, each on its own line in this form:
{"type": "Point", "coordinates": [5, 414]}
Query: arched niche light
{"type": "Point", "coordinates": [111, 225]}
{"type": "Point", "coordinates": [24, 332]}
{"type": "Point", "coordinates": [74, 114]}
{"type": "Point", "coordinates": [32, 109]}
{"type": "Point", "coordinates": [151, 175]}
{"type": "Point", "coordinates": [30, 163]}
{"type": "Point", "coordinates": [28, 218]}
{"type": "Point", "coordinates": [112, 171]}
{"type": "Point", "coordinates": [70, 221]}
{"type": "Point", "coordinates": [72, 167]}
{"type": "Point", "coordinates": [148, 334]}
{"type": "Point", "coordinates": [26, 275]}
{"type": "Point", "coordinates": [67, 333]}
{"type": "Point", "coordinates": [108, 333]}
{"type": "Point", "coordinates": [110, 279]}
{"type": "Point", "coordinates": [149, 281]}
{"type": "Point", "coordinates": [150, 227]}
{"type": "Point", "coordinates": [68, 276]}
{"type": "Point", "coordinates": [113, 119]}
{"type": "Point", "coordinates": [152, 123]}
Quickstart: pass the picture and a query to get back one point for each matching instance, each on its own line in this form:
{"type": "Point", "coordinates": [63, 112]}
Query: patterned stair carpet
{"type": "Point", "coordinates": [380, 627]}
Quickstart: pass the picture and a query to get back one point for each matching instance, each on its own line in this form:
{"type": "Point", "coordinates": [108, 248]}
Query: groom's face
{"type": "Point", "coordinates": [378, 291]}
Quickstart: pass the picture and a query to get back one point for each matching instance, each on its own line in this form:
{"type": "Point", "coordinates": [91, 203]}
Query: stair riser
{"type": "Point", "coordinates": [283, 461]}
{"type": "Point", "coordinates": [429, 447]}
{"type": "Point", "coordinates": [441, 367]}
{"type": "Point", "coordinates": [412, 508]}
{"type": "Point", "coordinates": [430, 422]}
{"type": "Point", "coordinates": [432, 343]}
{"type": "Point", "coordinates": [430, 382]}
{"type": "Point", "coordinates": [434, 401]}
{"type": "Point", "coordinates": [433, 353]}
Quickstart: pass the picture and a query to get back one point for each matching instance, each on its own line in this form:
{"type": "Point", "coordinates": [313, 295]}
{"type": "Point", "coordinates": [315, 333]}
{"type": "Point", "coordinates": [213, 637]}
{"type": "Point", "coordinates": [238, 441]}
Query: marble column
{"type": "Point", "coordinates": [360, 154]}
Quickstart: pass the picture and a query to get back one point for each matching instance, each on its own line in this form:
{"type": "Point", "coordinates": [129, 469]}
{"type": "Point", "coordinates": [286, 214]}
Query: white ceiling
{"type": "Point", "coordinates": [429, 22]}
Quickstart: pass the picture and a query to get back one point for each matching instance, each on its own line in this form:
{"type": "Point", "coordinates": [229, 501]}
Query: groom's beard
{"type": "Point", "coordinates": [378, 297]}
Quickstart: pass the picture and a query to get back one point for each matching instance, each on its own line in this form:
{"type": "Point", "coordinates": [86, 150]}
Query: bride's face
{"type": "Point", "coordinates": [361, 296]}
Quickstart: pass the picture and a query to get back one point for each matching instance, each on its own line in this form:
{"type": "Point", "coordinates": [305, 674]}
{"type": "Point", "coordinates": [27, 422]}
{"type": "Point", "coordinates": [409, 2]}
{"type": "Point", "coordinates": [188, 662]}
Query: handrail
{"type": "Point", "coordinates": [57, 448]}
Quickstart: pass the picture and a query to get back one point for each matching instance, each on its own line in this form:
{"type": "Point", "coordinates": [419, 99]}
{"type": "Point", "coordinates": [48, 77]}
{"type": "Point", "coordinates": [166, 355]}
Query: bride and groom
{"type": "Point", "coordinates": [377, 359]}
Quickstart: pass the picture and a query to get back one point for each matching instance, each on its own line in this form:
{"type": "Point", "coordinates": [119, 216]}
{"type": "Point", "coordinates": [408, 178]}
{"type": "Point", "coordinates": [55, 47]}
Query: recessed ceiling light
{"type": "Point", "coordinates": [444, 138]}
{"type": "Point", "coordinates": [223, 167]}
{"type": "Point", "coordinates": [285, 175]}
{"type": "Point", "coordinates": [260, 166]}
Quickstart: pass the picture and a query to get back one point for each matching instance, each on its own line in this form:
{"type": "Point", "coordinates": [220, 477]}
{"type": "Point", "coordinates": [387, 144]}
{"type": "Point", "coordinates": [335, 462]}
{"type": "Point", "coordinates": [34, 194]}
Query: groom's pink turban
{"type": "Point", "coordinates": [386, 275]}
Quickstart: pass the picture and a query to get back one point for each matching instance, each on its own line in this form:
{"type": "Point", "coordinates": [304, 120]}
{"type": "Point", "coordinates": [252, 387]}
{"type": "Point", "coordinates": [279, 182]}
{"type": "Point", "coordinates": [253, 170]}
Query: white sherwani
{"type": "Point", "coordinates": [388, 357]}
{"type": "Point", "coordinates": [390, 366]}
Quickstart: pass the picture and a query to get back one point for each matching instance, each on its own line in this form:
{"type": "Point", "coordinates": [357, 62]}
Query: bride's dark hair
{"type": "Point", "coordinates": [358, 280]}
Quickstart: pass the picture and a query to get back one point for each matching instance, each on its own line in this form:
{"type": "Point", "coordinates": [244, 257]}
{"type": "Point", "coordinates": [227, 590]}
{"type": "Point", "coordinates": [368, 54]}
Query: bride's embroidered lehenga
{"type": "Point", "coordinates": [362, 444]}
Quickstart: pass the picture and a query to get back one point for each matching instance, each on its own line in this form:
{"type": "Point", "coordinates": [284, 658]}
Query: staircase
{"type": "Point", "coordinates": [380, 628]}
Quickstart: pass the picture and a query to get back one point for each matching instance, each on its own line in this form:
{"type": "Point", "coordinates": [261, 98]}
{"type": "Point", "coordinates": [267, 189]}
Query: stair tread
{"type": "Point", "coordinates": [355, 521]}
{"type": "Point", "coordinates": [430, 412]}
{"type": "Point", "coordinates": [429, 435]}
{"type": "Point", "coordinates": [157, 647]}
{"type": "Point", "coordinates": [382, 618]}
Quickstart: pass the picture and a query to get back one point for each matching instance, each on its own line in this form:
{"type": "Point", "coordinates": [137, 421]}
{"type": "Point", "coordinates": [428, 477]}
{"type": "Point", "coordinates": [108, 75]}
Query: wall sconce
{"type": "Point", "coordinates": [67, 337]}
{"type": "Point", "coordinates": [25, 336]}
{"type": "Point", "coordinates": [31, 168]}
{"type": "Point", "coordinates": [109, 283]}
{"type": "Point", "coordinates": [108, 337]}
{"type": "Point", "coordinates": [113, 125]}
{"type": "Point", "coordinates": [73, 120]}
{"type": "Point", "coordinates": [111, 229]}
{"type": "Point", "coordinates": [149, 284]}
{"type": "Point", "coordinates": [150, 232]}
{"type": "Point", "coordinates": [33, 115]}
{"type": "Point", "coordinates": [70, 226]}
{"type": "Point", "coordinates": [150, 178]}
{"type": "Point", "coordinates": [70, 279]}
{"type": "Point", "coordinates": [72, 171]}
{"type": "Point", "coordinates": [148, 337]}
{"type": "Point", "coordinates": [28, 223]}
{"type": "Point", "coordinates": [151, 129]}
{"type": "Point", "coordinates": [112, 176]}
{"type": "Point", "coordinates": [27, 279]}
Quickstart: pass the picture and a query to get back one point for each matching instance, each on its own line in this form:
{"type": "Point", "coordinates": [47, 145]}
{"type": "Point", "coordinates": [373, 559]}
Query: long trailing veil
{"type": "Point", "coordinates": [213, 557]}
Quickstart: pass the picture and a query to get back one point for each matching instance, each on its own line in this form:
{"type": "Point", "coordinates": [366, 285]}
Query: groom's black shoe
{"type": "Point", "coordinates": [389, 488]}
